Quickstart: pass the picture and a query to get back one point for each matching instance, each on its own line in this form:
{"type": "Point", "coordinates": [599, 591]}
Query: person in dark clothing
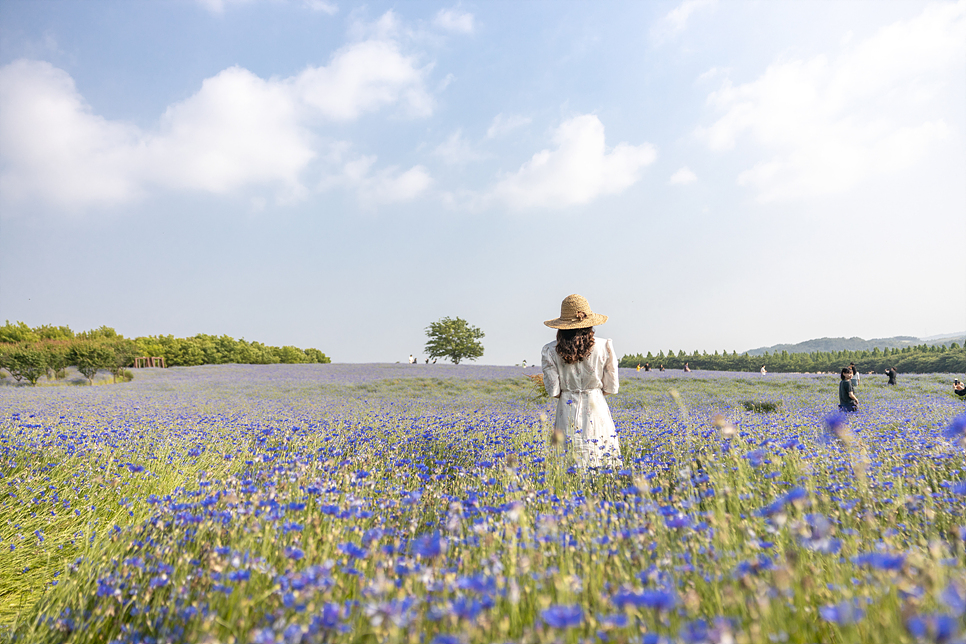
{"type": "Point", "coordinates": [959, 388]}
{"type": "Point", "coordinates": [647, 366]}
{"type": "Point", "coordinates": [847, 400]}
{"type": "Point", "coordinates": [662, 367]}
{"type": "Point", "coordinates": [892, 373]}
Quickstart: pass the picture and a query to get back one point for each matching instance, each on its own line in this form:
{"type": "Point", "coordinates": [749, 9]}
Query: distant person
{"type": "Point", "coordinates": [763, 370]}
{"type": "Point", "coordinates": [427, 360]}
{"type": "Point", "coordinates": [524, 364]}
{"type": "Point", "coordinates": [662, 367]}
{"type": "Point", "coordinates": [687, 368]}
{"type": "Point", "coordinates": [847, 400]}
{"type": "Point", "coordinates": [892, 373]}
{"type": "Point", "coordinates": [434, 360]}
{"type": "Point", "coordinates": [412, 360]}
{"type": "Point", "coordinates": [959, 388]}
{"type": "Point", "coordinates": [855, 376]}
{"type": "Point", "coordinates": [638, 367]}
{"type": "Point", "coordinates": [647, 366]}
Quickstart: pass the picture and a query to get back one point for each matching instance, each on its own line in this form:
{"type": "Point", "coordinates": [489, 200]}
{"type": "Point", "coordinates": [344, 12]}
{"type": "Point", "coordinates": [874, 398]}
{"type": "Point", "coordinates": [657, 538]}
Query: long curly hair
{"type": "Point", "coordinates": [574, 345]}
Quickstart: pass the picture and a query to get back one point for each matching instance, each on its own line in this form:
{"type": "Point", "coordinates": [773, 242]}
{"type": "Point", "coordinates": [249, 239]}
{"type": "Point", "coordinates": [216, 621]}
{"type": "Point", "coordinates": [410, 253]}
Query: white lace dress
{"type": "Point", "coordinates": [582, 413]}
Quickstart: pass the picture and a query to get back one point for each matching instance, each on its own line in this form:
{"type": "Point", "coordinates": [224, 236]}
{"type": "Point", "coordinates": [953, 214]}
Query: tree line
{"type": "Point", "coordinates": [31, 353]}
{"type": "Point", "coordinates": [916, 359]}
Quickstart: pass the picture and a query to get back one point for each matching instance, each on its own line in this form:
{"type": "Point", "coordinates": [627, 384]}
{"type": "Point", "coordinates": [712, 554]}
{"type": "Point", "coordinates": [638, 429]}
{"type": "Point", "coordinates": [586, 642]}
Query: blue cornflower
{"type": "Point", "coordinates": [954, 597]}
{"type": "Point", "coordinates": [354, 551]}
{"type": "Point", "coordinates": [880, 560]}
{"type": "Point", "coordinates": [957, 428]}
{"type": "Point", "coordinates": [429, 546]}
{"type": "Point", "coordinates": [656, 599]}
{"type": "Point", "coordinates": [293, 552]}
{"type": "Point", "coordinates": [445, 638]}
{"type": "Point", "coordinates": [845, 612]}
{"type": "Point", "coordinates": [563, 616]}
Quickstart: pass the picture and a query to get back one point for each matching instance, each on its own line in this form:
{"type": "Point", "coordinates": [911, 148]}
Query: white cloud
{"type": "Point", "coordinates": [456, 150]}
{"type": "Point", "coordinates": [578, 171]}
{"type": "Point", "coordinates": [453, 20]}
{"type": "Point", "coordinates": [238, 130]}
{"type": "Point", "coordinates": [386, 186]}
{"type": "Point", "coordinates": [503, 124]}
{"type": "Point", "coordinates": [683, 177]}
{"type": "Point", "coordinates": [676, 21]}
{"type": "Point", "coordinates": [827, 124]}
{"type": "Point", "coordinates": [53, 148]}
{"type": "Point", "coordinates": [364, 77]}
{"type": "Point", "coordinates": [321, 6]}
{"type": "Point", "coordinates": [219, 6]}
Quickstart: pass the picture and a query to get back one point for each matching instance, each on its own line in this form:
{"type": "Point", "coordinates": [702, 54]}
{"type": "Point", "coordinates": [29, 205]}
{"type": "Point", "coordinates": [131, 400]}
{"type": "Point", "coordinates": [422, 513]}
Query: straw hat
{"type": "Point", "coordinates": [575, 313]}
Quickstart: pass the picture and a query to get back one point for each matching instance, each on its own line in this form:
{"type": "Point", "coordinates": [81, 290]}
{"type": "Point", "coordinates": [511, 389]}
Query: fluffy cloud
{"type": "Point", "coordinates": [503, 124]}
{"type": "Point", "coordinates": [827, 124]}
{"type": "Point", "coordinates": [676, 20]}
{"type": "Point", "coordinates": [238, 130]}
{"type": "Point", "coordinates": [578, 171]}
{"type": "Point", "coordinates": [453, 20]}
{"type": "Point", "coordinates": [683, 177]}
{"type": "Point", "coordinates": [386, 186]}
{"type": "Point", "coordinates": [456, 150]}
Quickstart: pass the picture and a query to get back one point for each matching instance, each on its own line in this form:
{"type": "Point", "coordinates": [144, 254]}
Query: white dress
{"type": "Point", "coordinates": [582, 413]}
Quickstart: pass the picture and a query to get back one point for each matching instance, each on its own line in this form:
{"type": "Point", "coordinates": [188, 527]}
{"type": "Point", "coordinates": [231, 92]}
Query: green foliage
{"type": "Point", "coordinates": [49, 332]}
{"type": "Point", "coordinates": [919, 359]}
{"type": "Point", "coordinates": [761, 406]}
{"type": "Point", "coordinates": [316, 356]}
{"type": "Point", "coordinates": [455, 339]}
{"type": "Point", "coordinates": [90, 357]}
{"type": "Point", "coordinates": [16, 333]}
{"type": "Point", "coordinates": [124, 351]}
{"type": "Point", "coordinates": [25, 362]}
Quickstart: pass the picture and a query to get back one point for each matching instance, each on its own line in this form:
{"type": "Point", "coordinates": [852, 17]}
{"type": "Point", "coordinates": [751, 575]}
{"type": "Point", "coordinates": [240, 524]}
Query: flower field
{"type": "Point", "coordinates": [427, 504]}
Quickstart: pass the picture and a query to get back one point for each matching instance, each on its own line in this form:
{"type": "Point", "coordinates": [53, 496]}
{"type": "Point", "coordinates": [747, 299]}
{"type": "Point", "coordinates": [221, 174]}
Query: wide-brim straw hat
{"type": "Point", "coordinates": [575, 313]}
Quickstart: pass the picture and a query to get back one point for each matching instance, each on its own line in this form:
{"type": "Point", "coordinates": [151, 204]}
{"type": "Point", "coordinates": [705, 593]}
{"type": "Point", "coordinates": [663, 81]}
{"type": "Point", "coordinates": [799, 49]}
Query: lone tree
{"type": "Point", "coordinates": [453, 339]}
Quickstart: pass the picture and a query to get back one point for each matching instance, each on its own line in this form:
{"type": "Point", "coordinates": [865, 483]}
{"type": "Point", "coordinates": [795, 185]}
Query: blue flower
{"type": "Point", "coordinates": [880, 560]}
{"type": "Point", "coordinates": [293, 552]}
{"type": "Point", "coordinates": [956, 429]}
{"type": "Point", "coordinates": [657, 599]}
{"type": "Point", "coordinates": [845, 612]}
{"type": "Point", "coordinates": [354, 551]}
{"type": "Point", "coordinates": [429, 546]}
{"type": "Point", "coordinates": [563, 616]}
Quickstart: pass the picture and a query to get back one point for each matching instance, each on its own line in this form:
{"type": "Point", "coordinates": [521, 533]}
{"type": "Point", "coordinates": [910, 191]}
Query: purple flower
{"type": "Point", "coordinates": [563, 616]}
{"type": "Point", "coordinates": [293, 552]}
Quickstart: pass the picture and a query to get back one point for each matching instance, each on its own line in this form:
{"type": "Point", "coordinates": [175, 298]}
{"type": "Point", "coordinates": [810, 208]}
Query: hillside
{"type": "Point", "coordinates": [830, 345]}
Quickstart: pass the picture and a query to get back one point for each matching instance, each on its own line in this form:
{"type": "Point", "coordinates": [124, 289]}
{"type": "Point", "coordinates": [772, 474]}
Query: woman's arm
{"type": "Point", "coordinates": [610, 381]}
{"type": "Point", "coordinates": [551, 379]}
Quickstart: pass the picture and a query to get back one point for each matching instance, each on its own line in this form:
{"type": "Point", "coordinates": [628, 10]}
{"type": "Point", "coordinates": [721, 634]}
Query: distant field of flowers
{"type": "Point", "coordinates": [426, 504]}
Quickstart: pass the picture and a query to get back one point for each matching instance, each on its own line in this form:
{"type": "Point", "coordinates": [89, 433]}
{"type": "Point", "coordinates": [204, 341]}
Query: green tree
{"type": "Point", "coordinates": [90, 357]}
{"type": "Point", "coordinates": [314, 355]}
{"type": "Point", "coordinates": [18, 332]}
{"type": "Point", "coordinates": [123, 353]}
{"type": "Point", "coordinates": [25, 362]}
{"type": "Point", "coordinates": [455, 339]}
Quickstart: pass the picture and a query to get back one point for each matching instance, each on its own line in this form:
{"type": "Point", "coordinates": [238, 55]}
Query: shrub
{"type": "Point", "coordinates": [762, 406]}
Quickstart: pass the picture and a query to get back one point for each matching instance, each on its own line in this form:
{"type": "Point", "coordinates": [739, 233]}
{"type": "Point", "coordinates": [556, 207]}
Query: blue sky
{"type": "Point", "coordinates": [712, 175]}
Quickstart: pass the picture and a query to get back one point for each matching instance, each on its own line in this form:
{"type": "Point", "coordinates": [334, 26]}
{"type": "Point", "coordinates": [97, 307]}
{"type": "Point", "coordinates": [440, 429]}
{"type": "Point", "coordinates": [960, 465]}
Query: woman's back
{"type": "Point", "coordinates": [598, 370]}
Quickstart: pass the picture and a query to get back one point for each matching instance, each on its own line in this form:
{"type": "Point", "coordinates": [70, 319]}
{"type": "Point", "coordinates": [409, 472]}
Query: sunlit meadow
{"type": "Point", "coordinates": [398, 503]}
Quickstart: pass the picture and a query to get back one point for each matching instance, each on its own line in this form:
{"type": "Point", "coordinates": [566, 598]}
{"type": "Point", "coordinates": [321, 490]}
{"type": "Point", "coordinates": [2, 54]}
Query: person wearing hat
{"type": "Point", "coordinates": [579, 370]}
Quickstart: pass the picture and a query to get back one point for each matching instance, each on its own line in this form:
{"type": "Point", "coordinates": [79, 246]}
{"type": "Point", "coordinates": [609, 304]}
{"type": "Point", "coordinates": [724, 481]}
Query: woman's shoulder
{"type": "Point", "coordinates": [550, 346]}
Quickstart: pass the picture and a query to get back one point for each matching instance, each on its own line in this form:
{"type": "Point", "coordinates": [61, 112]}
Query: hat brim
{"type": "Point", "coordinates": [594, 319]}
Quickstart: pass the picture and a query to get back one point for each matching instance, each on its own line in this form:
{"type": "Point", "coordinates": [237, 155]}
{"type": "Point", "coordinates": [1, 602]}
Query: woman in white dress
{"type": "Point", "coordinates": [579, 370]}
